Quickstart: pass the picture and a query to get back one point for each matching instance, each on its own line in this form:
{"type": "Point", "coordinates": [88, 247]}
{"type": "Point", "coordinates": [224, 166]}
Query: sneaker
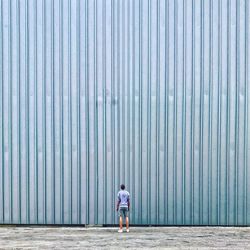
{"type": "Point", "coordinates": [127, 230]}
{"type": "Point", "coordinates": [120, 231]}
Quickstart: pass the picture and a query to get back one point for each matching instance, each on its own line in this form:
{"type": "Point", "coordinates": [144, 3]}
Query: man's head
{"type": "Point", "coordinates": [122, 187]}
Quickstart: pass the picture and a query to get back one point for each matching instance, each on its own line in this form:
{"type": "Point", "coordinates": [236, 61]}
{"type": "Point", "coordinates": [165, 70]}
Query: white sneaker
{"type": "Point", "coordinates": [127, 230]}
{"type": "Point", "coordinates": [120, 231]}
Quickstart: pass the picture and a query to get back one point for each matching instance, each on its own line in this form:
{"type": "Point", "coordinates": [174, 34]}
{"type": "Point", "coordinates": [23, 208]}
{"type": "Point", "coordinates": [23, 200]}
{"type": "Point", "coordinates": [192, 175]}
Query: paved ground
{"type": "Point", "coordinates": [108, 238]}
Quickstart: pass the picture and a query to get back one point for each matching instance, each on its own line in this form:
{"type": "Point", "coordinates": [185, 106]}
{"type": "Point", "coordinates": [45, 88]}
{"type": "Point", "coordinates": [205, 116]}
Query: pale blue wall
{"type": "Point", "coordinates": [152, 93]}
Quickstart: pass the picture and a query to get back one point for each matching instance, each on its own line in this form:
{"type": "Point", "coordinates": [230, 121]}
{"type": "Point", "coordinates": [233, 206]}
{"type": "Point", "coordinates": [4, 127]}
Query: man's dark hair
{"type": "Point", "coordinates": [122, 187]}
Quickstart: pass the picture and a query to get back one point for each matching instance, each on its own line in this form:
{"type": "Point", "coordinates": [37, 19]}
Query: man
{"type": "Point", "coordinates": [123, 205]}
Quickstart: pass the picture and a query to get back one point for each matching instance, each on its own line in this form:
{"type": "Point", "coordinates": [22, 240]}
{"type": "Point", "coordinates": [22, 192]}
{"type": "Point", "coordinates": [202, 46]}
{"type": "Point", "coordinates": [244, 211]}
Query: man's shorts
{"type": "Point", "coordinates": [123, 211]}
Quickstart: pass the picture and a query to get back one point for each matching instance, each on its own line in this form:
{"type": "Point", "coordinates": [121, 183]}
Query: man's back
{"type": "Point", "coordinates": [123, 197]}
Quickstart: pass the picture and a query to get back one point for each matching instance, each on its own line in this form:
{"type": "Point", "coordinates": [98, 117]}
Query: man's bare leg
{"type": "Point", "coordinates": [127, 223]}
{"type": "Point", "coordinates": [121, 222]}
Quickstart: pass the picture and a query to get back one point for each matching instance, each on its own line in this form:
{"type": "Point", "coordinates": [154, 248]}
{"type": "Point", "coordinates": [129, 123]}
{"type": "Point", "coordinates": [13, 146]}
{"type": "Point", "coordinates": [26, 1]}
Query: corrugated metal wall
{"type": "Point", "coordinates": [151, 93]}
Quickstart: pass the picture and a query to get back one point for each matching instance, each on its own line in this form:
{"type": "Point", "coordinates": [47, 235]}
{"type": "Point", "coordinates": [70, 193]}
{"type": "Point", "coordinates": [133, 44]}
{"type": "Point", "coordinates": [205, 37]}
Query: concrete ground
{"type": "Point", "coordinates": [138, 237]}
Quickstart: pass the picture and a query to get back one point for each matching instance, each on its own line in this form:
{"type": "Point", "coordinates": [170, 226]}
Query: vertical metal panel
{"type": "Point", "coordinates": [150, 93]}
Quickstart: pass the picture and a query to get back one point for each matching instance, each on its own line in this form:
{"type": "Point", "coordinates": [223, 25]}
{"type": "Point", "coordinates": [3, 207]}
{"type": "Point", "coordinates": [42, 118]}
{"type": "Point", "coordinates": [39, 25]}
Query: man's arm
{"type": "Point", "coordinates": [118, 204]}
{"type": "Point", "coordinates": [128, 199]}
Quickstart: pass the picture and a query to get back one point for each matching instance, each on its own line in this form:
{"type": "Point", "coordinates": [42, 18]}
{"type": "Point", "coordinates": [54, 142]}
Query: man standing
{"type": "Point", "coordinates": [123, 205]}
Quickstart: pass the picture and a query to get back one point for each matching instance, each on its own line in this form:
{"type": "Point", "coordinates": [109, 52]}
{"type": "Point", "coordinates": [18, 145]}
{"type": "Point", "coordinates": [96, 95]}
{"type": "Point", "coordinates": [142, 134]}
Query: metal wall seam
{"type": "Point", "coordinates": [2, 108]}
{"type": "Point", "coordinates": [149, 117]}
{"type": "Point", "coordinates": [166, 109]}
{"type": "Point", "coordinates": [246, 115]}
{"type": "Point", "coordinates": [247, 99]}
